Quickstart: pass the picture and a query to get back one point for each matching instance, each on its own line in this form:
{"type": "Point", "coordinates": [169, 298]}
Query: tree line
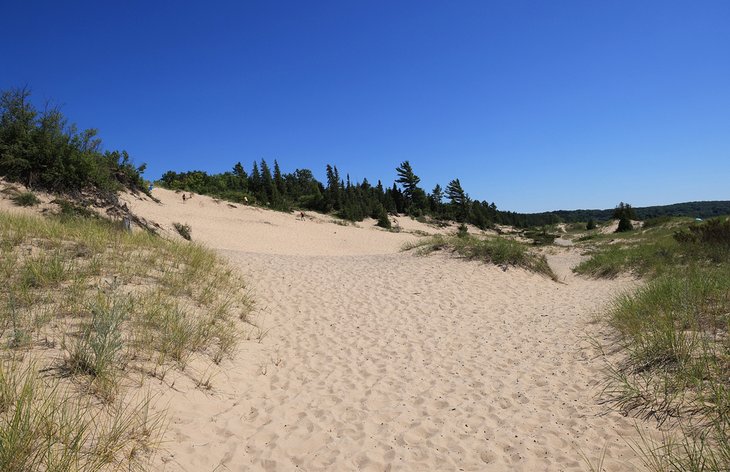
{"type": "Point", "coordinates": [40, 149]}
{"type": "Point", "coordinates": [353, 201]}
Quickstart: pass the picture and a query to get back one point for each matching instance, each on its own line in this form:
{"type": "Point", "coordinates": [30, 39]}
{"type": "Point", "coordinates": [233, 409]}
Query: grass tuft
{"type": "Point", "coordinates": [26, 199]}
{"type": "Point", "coordinates": [493, 250]}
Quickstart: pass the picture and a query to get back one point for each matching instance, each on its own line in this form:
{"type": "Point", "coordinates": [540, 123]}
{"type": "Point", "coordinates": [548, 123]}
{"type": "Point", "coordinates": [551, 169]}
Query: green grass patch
{"type": "Point", "coordinates": [26, 199]}
{"type": "Point", "coordinates": [673, 332]}
{"type": "Point", "coordinates": [493, 250]}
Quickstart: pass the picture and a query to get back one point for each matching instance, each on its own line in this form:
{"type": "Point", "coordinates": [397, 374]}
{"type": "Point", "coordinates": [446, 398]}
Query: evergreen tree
{"type": "Point", "coordinates": [436, 198]}
{"type": "Point", "coordinates": [267, 183]}
{"type": "Point", "coordinates": [409, 181]}
{"type": "Point", "coordinates": [255, 183]}
{"type": "Point", "coordinates": [240, 180]}
{"type": "Point", "coordinates": [625, 213]}
{"type": "Point", "coordinates": [278, 179]}
{"type": "Point", "coordinates": [457, 199]}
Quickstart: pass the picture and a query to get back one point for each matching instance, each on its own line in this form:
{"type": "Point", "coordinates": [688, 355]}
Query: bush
{"type": "Point", "coordinates": [383, 219]}
{"type": "Point", "coordinates": [462, 231]}
{"type": "Point", "coordinates": [591, 224]}
{"type": "Point", "coordinates": [70, 210]}
{"type": "Point", "coordinates": [26, 199]}
{"type": "Point", "coordinates": [40, 150]}
{"type": "Point", "coordinates": [624, 225]}
{"type": "Point", "coordinates": [183, 230]}
{"type": "Point", "coordinates": [713, 232]}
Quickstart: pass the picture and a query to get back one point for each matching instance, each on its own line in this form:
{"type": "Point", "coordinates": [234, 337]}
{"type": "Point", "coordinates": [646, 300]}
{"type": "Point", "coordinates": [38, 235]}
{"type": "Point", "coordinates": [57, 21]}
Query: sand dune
{"type": "Point", "coordinates": [372, 359]}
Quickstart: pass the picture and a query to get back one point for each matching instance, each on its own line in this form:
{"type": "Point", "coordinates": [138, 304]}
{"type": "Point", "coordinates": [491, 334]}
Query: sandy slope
{"type": "Point", "coordinates": [372, 359]}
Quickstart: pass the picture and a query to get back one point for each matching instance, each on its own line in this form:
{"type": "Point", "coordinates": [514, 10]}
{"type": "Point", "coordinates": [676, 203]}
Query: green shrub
{"type": "Point", "coordinates": [49, 154]}
{"type": "Point", "coordinates": [462, 231]}
{"type": "Point", "coordinates": [26, 199]}
{"type": "Point", "coordinates": [73, 210]}
{"type": "Point", "coordinates": [713, 232]}
{"type": "Point", "coordinates": [591, 224]}
{"type": "Point", "coordinates": [624, 224]}
{"type": "Point", "coordinates": [383, 219]}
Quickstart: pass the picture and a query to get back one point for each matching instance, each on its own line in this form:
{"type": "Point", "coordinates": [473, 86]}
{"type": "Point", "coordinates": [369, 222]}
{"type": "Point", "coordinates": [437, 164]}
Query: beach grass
{"type": "Point", "coordinates": [673, 338]}
{"type": "Point", "coordinates": [86, 306]}
{"type": "Point", "coordinates": [493, 250]}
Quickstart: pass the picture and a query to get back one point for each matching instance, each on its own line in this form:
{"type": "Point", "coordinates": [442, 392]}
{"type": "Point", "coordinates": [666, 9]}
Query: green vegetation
{"type": "Point", "coordinates": [674, 332]}
{"type": "Point", "coordinates": [41, 150]}
{"type": "Point", "coordinates": [709, 209]}
{"type": "Point", "coordinates": [494, 250]}
{"type": "Point", "coordinates": [348, 200]}
{"type": "Point", "coordinates": [624, 213]}
{"type": "Point", "coordinates": [540, 236]}
{"type": "Point", "coordinates": [26, 199]}
{"type": "Point", "coordinates": [86, 309]}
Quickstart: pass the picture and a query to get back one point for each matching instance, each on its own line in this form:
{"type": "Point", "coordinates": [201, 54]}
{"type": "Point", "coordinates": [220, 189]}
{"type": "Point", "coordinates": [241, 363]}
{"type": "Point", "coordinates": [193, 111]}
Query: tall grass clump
{"type": "Point", "coordinates": [46, 427]}
{"type": "Point", "coordinates": [673, 333]}
{"type": "Point", "coordinates": [97, 351]}
{"type": "Point", "coordinates": [26, 199]}
{"type": "Point", "coordinates": [493, 250]}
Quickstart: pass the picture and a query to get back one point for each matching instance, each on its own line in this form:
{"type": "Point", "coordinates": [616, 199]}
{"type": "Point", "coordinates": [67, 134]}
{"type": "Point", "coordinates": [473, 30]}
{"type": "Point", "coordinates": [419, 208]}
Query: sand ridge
{"type": "Point", "coordinates": [368, 358]}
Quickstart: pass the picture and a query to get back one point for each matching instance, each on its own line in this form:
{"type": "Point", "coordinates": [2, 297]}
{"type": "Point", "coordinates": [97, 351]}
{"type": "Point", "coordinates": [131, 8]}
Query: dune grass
{"type": "Point", "coordinates": [673, 334]}
{"type": "Point", "coordinates": [492, 250]}
{"type": "Point", "coordinates": [84, 306]}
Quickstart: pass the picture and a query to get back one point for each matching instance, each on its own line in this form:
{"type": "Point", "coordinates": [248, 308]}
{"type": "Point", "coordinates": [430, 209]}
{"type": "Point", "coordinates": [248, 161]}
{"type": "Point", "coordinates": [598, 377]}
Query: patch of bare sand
{"type": "Point", "coordinates": [371, 359]}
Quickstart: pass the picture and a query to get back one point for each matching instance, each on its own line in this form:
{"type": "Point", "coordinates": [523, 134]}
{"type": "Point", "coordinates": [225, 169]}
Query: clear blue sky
{"type": "Point", "coordinates": [535, 105]}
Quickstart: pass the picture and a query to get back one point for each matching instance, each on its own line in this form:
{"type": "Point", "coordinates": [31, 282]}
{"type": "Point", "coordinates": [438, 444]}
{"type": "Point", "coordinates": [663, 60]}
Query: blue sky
{"type": "Point", "coordinates": [535, 105]}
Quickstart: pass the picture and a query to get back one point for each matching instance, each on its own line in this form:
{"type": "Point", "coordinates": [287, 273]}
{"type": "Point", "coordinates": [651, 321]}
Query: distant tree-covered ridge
{"type": "Point", "coordinates": [706, 209]}
{"type": "Point", "coordinates": [40, 149]}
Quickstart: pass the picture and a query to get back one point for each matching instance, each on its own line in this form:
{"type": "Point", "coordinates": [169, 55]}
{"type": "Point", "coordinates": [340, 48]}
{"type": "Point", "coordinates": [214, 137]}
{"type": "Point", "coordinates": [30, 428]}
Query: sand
{"type": "Point", "coordinates": [368, 358]}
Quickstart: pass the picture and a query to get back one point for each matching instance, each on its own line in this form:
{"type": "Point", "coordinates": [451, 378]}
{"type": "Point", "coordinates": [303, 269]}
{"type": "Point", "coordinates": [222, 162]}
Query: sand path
{"type": "Point", "coordinates": [389, 361]}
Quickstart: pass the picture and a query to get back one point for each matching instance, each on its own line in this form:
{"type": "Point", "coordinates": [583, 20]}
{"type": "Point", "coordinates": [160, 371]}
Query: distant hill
{"type": "Point", "coordinates": [691, 209]}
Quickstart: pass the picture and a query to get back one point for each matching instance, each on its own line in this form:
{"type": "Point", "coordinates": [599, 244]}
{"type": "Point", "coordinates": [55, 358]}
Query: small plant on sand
{"type": "Point", "coordinates": [183, 230]}
{"type": "Point", "coordinates": [591, 224]}
{"type": "Point", "coordinates": [97, 350]}
{"type": "Point", "coordinates": [26, 199]}
{"type": "Point", "coordinates": [462, 231]}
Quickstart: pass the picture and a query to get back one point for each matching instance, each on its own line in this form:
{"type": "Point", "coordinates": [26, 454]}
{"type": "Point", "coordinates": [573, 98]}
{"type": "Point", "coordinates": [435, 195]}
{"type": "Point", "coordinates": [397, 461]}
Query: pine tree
{"type": "Point", "coordinates": [410, 182]}
{"type": "Point", "coordinates": [458, 200]}
{"type": "Point", "coordinates": [278, 180]}
{"type": "Point", "coordinates": [625, 213]}
{"type": "Point", "coordinates": [436, 198]}
{"type": "Point", "coordinates": [240, 177]}
{"type": "Point", "coordinates": [255, 180]}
